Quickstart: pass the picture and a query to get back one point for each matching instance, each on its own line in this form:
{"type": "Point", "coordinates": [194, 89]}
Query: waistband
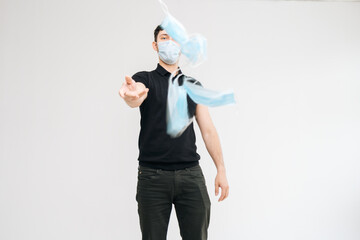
{"type": "Point", "coordinates": [192, 168]}
{"type": "Point", "coordinates": [169, 166]}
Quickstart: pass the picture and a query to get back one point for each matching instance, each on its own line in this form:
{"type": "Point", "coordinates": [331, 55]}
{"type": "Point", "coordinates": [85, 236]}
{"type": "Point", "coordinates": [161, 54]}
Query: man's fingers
{"type": "Point", "coordinates": [216, 189]}
{"type": "Point", "coordinates": [143, 92]}
{"type": "Point", "coordinates": [227, 192]}
{"type": "Point", "coordinates": [122, 90]}
{"type": "Point", "coordinates": [131, 94]}
{"type": "Point", "coordinates": [121, 93]}
{"type": "Point", "coordinates": [128, 80]}
{"type": "Point", "coordinates": [222, 195]}
{"type": "Point", "coordinates": [224, 191]}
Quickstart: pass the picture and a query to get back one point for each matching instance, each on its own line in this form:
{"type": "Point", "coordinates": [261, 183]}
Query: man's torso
{"type": "Point", "coordinates": [156, 148]}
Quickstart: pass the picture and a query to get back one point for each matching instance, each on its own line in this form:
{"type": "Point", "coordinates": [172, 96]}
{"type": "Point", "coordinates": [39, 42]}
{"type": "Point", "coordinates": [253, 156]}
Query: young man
{"type": "Point", "coordinates": [169, 171]}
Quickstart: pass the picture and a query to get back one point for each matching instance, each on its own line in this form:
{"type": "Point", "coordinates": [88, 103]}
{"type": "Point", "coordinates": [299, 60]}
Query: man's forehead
{"type": "Point", "coordinates": [163, 32]}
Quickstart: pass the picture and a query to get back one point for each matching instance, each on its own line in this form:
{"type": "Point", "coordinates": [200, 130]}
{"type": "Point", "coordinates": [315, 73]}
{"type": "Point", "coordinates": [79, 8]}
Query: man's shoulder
{"type": "Point", "coordinates": [142, 74]}
{"type": "Point", "coordinates": [145, 74]}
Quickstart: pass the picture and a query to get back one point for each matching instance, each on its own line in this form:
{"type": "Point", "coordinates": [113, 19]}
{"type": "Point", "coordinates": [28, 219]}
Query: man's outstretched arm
{"type": "Point", "coordinates": [134, 93]}
{"type": "Point", "coordinates": [212, 143]}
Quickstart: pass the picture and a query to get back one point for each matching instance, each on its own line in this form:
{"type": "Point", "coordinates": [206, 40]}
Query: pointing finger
{"type": "Point", "coordinates": [128, 80]}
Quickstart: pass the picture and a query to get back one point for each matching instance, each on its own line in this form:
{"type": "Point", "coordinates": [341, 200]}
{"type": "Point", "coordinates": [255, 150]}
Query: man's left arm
{"type": "Point", "coordinates": [212, 143]}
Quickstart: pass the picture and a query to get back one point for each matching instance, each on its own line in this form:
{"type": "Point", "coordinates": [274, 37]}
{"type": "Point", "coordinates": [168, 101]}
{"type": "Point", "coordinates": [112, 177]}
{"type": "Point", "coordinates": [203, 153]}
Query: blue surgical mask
{"type": "Point", "coordinates": [177, 107]}
{"type": "Point", "coordinates": [193, 47]}
{"type": "Point", "coordinates": [169, 51]}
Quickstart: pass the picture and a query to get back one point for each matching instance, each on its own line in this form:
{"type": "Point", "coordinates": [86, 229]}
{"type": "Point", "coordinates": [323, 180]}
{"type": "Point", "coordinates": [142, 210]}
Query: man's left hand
{"type": "Point", "coordinates": [221, 181]}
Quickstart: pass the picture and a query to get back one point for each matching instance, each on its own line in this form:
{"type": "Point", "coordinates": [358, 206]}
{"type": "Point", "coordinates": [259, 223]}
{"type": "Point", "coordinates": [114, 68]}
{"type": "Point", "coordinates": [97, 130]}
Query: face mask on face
{"type": "Point", "coordinates": [169, 51]}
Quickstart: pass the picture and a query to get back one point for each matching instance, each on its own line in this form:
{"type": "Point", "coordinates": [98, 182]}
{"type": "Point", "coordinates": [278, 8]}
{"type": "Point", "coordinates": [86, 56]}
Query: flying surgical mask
{"type": "Point", "coordinates": [169, 51]}
{"type": "Point", "coordinates": [193, 46]}
{"type": "Point", "coordinates": [177, 116]}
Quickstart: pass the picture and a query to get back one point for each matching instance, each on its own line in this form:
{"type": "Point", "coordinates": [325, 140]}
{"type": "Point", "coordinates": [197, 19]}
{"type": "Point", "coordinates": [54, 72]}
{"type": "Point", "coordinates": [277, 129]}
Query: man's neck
{"type": "Point", "coordinates": [169, 68]}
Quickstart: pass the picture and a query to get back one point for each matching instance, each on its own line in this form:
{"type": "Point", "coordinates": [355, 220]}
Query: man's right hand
{"type": "Point", "coordinates": [133, 92]}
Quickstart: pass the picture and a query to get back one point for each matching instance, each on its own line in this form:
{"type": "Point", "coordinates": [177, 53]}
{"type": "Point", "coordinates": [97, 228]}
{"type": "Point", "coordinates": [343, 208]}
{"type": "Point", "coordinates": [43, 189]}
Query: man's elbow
{"type": "Point", "coordinates": [209, 132]}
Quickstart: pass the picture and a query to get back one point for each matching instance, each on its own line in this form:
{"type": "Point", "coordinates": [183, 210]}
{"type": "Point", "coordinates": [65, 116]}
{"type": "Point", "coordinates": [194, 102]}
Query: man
{"type": "Point", "coordinates": [169, 171]}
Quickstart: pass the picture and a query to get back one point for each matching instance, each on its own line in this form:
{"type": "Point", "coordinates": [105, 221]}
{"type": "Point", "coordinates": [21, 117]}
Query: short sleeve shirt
{"type": "Point", "coordinates": [156, 148]}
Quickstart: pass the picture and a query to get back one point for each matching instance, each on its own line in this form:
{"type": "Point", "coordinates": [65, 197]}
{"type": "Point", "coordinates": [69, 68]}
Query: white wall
{"type": "Point", "coordinates": [68, 143]}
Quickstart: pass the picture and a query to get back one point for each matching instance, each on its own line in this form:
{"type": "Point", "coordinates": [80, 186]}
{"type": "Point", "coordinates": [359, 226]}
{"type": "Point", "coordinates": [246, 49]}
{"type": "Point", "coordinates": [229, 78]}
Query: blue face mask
{"type": "Point", "coordinates": [193, 46]}
{"type": "Point", "coordinates": [169, 51]}
{"type": "Point", "coordinates": [177, 107]}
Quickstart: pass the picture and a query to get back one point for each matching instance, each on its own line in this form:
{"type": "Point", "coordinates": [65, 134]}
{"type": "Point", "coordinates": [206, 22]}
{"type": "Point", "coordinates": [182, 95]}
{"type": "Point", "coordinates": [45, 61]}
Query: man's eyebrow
{"type": "Point", "coordinates": [164, 34]}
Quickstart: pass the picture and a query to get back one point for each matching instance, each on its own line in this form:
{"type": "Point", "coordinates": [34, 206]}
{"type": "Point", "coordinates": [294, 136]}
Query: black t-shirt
{"type": "Point", "coordinates": [156, 148]}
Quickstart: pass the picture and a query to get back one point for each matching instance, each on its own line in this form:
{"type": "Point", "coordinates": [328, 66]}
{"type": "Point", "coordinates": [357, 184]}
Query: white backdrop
{"type": "Point", "coordinates": [68, 142]}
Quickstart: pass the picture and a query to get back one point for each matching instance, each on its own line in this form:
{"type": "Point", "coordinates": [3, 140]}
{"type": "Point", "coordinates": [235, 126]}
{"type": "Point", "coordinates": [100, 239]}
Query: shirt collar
{"type": "Point", "coordinates": [163, 71]}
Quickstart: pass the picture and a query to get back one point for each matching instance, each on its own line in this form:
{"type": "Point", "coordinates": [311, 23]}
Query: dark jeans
{"type": "Point", "coordinates": [158, 189]}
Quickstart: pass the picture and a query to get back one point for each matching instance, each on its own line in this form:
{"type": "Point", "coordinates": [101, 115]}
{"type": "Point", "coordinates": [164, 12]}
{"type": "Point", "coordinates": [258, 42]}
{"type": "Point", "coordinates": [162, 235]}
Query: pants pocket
{"type": "Point", "coordinates": [145, 174]}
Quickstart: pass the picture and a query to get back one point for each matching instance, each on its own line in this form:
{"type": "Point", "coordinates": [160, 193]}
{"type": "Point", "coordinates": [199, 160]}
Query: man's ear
{"type": "Point", "coordinates": [155, 47]}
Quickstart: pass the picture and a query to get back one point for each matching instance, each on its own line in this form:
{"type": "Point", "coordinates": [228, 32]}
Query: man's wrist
{"type": "Point", "coordinates": [221, 169]}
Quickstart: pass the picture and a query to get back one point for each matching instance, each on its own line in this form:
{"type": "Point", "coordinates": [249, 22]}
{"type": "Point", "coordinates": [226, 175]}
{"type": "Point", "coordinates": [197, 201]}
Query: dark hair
{"type": "Point", "coordinates": [156, 32]}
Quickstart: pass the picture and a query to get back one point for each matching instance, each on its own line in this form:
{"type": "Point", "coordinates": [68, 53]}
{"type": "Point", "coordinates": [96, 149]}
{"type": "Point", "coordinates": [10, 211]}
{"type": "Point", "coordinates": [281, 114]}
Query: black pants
{"type": "Point", "coordinates": [158, 189]}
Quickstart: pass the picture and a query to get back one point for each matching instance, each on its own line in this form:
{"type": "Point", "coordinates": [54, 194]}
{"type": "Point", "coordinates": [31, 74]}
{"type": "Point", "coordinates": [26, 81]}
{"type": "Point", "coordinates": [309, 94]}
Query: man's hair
{"type": "Point", "coordinates": [156, 32]}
